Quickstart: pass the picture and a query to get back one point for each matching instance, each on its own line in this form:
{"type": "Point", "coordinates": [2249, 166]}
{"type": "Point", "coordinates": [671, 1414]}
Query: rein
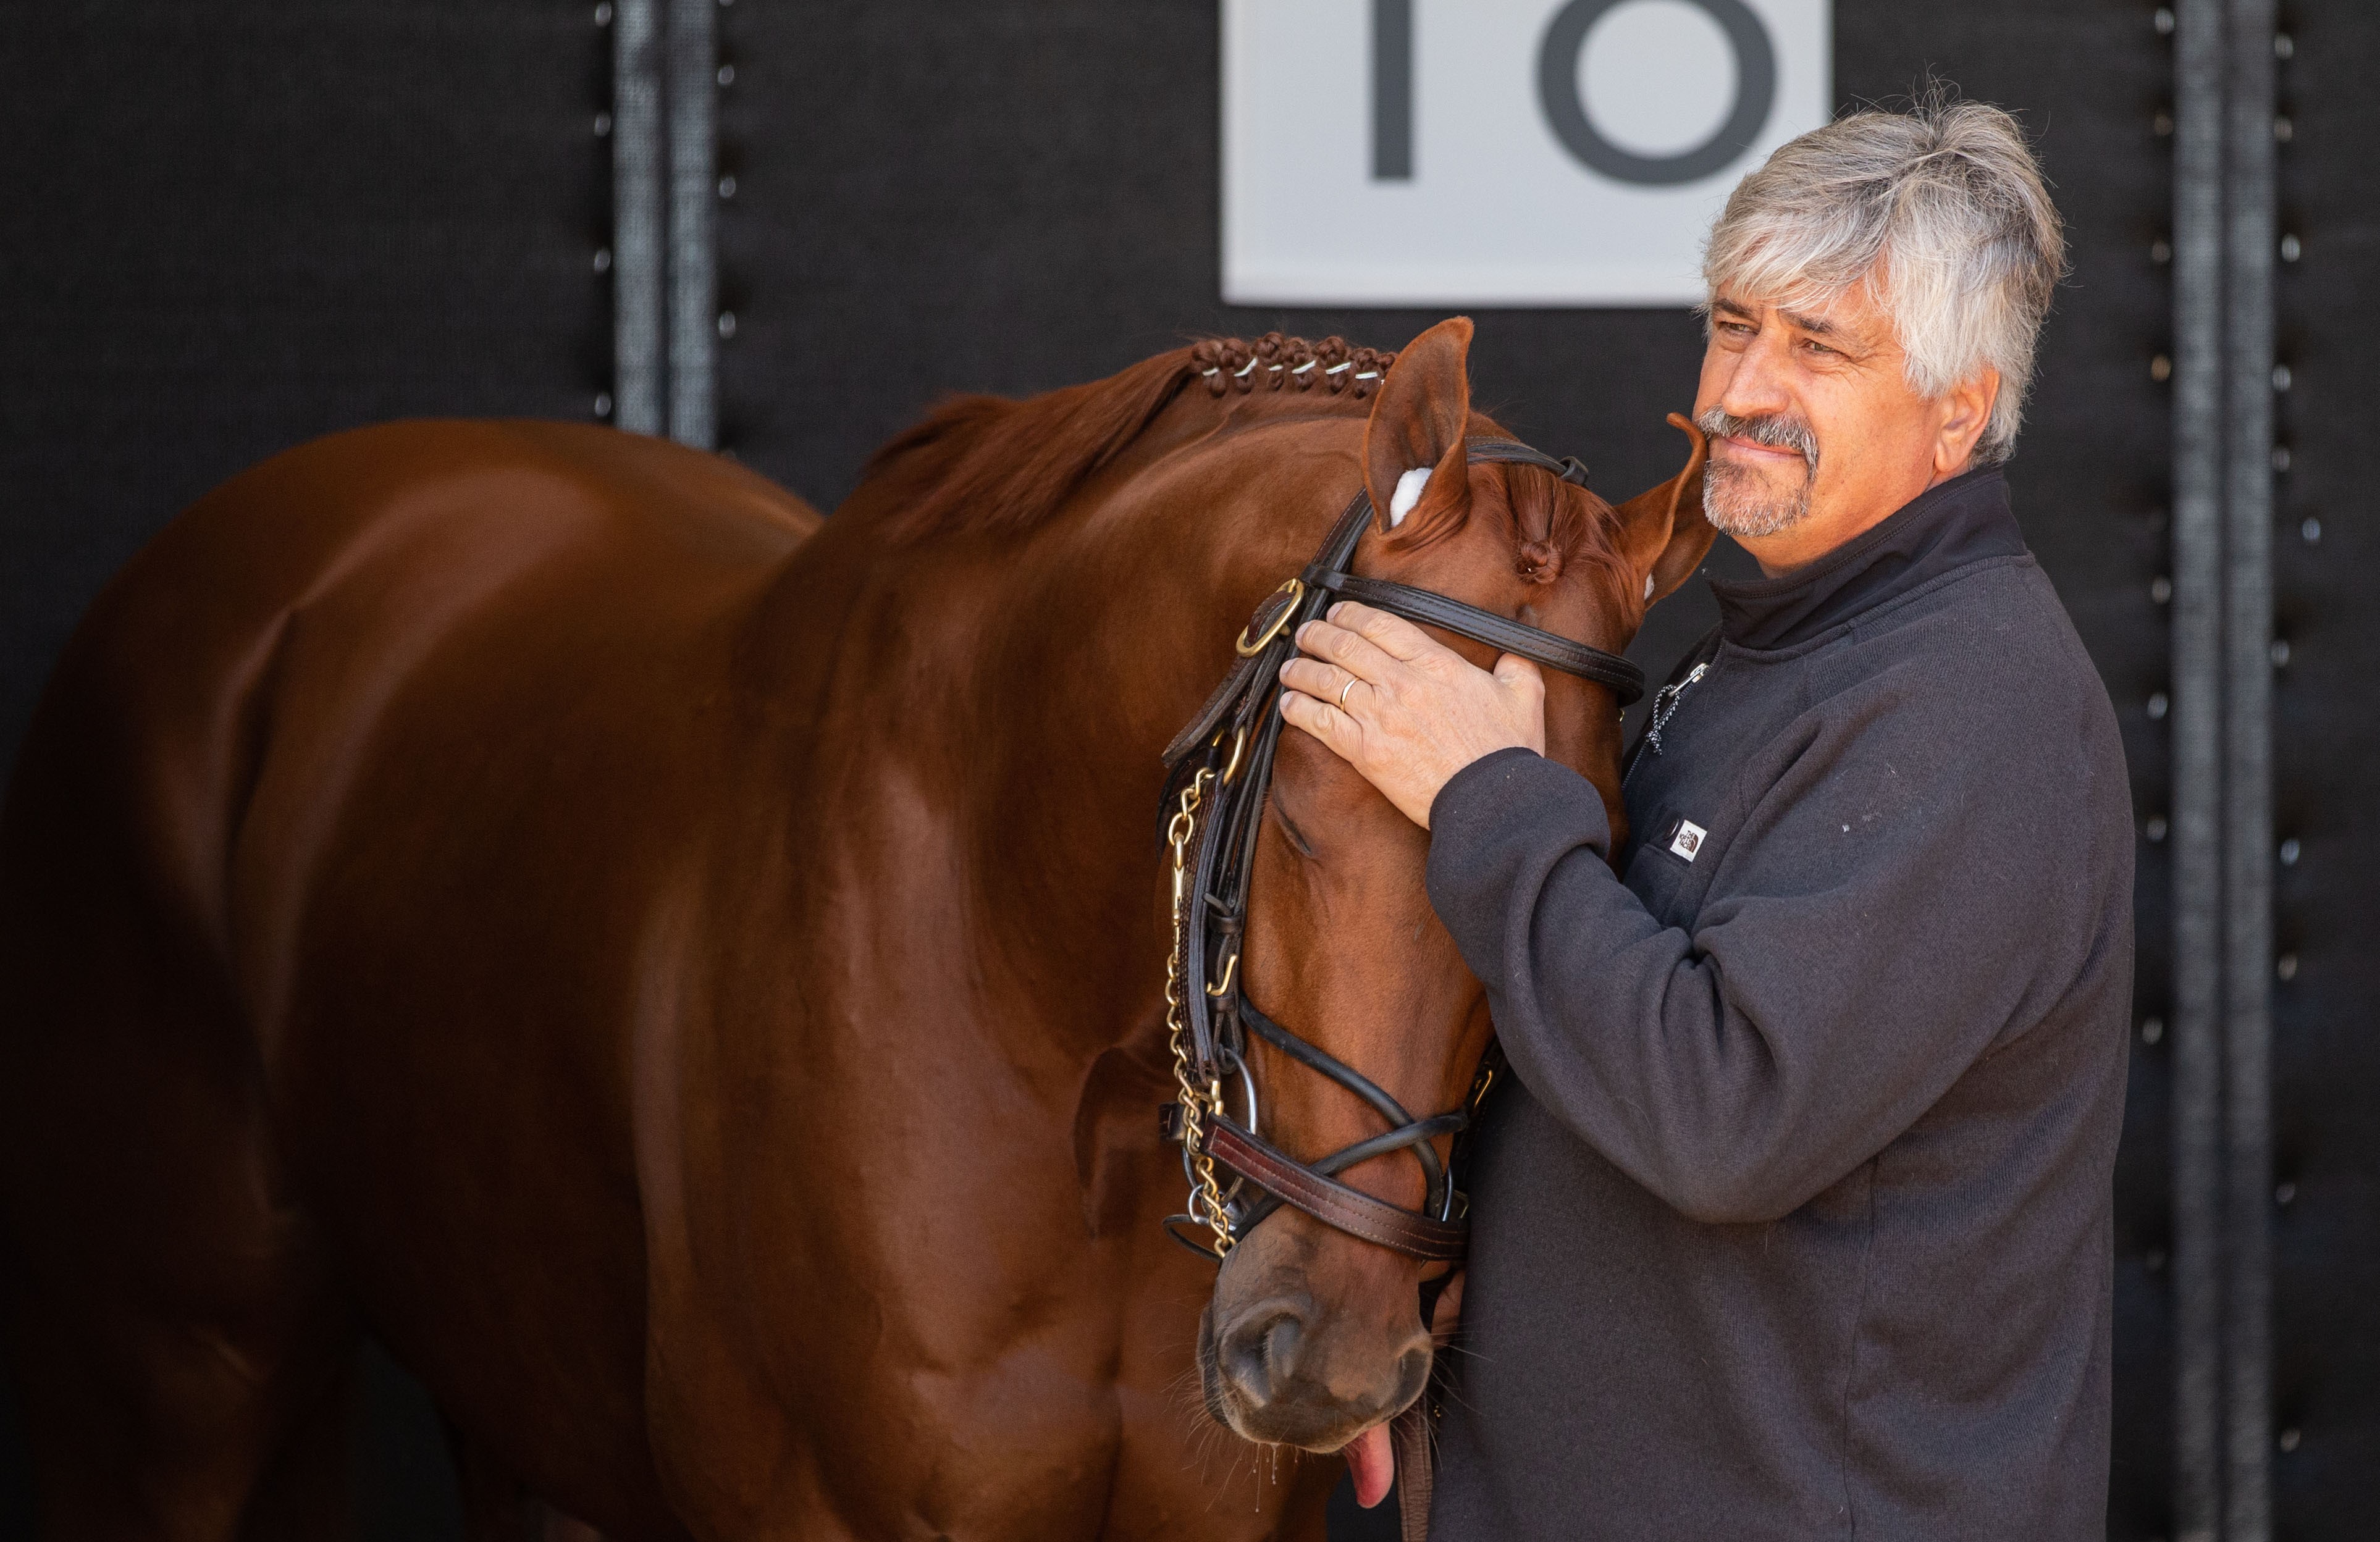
{"type": "Point", "coordinates": [1219, 771]}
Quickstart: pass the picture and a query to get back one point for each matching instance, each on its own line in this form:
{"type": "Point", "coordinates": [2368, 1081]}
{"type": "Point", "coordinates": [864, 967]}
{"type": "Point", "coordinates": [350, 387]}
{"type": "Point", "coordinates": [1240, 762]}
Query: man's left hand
{"type": "Point", "coordinates": [1404, 711]}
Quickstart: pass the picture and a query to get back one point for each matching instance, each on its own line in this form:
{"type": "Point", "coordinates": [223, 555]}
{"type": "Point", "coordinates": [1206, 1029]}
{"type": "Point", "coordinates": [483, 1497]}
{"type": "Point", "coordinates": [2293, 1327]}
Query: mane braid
{"type": "Point", "coordinates": [996, 465]}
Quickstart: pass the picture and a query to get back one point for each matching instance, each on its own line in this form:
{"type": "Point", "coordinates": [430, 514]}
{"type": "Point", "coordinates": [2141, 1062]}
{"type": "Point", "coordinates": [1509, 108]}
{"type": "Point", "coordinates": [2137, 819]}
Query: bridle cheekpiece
{"type": "Point", "coordinates": [1219, 770]}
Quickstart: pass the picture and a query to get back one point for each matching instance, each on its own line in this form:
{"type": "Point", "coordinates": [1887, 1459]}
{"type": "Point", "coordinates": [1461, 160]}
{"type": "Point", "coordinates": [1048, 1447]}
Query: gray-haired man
{"type": "Point", "coordinates": [1798, 1222]}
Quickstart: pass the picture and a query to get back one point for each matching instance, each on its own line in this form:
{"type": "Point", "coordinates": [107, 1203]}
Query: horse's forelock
{"type": "Point", "coordinates": [1582, 532]}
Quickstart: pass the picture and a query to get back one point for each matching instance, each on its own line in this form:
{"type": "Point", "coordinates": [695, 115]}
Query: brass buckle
{"type": "Point", "coordinates": [1246, 647]}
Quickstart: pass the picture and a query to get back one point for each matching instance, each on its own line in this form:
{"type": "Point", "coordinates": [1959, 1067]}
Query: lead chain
{"type": "Point", "coordinates": [1207, 1194]}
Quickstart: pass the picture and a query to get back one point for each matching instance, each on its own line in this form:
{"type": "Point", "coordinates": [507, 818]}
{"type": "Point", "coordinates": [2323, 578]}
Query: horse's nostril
{"type": "Point", "coordinates": [1412, 1370]}
{"type": "Point", "coordinates": [1280, 1346]}
{"type": "Point", "coordinates": [1261, 1355]}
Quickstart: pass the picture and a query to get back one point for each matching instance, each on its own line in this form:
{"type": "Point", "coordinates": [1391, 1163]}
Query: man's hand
{"type": "Point", "coordinates": [1402, 711]}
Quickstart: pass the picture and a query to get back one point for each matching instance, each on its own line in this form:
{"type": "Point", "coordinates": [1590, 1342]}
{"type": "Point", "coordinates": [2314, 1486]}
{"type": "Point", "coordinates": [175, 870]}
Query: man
{"type": "Point", "coordinates": [1797, 1221]}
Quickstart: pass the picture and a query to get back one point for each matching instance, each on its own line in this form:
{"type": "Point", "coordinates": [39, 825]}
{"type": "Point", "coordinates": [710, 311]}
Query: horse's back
{"type": "Point", "coordinates": [306, 594]}
{"type": "Point", "coordinates": [399, 647]}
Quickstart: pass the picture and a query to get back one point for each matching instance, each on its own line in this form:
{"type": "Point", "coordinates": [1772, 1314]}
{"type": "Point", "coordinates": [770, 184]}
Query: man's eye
{"type": "Point", "coordinates": [1815, 346]}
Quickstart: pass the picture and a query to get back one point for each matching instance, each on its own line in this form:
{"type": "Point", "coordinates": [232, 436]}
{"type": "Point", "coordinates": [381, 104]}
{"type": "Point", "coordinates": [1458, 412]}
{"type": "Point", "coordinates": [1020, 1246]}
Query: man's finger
{"type": "Point", "coordinates": [1393, 635]}
{"type": "Point", "coordinates": [1334, 728]}
{"type": "Point", "coordinates": [1356, 655]}
{"type": "Point", "coordinates": [1314, 677]}
{"type": "Point", "coordinates": [1512, 671]}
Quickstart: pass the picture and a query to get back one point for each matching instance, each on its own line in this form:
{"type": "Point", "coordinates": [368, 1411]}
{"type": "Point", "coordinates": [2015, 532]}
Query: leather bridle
{"type": "Point", "coordinates": [1219, 770]}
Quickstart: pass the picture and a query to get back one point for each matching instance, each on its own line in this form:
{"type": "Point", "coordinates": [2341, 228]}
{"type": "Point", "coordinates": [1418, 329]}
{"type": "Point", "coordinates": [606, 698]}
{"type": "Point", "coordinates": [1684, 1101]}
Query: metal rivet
{"type": "Point", "coordinates": [2281, 377]}
{"type": "Point", "coordinates": [726, 75]}
{"type": "Point", "coordinates": [2286, 966]}
{"type": "Point", "coordinates": [603, 125]}
{"type": "Point", "coordinates": [2165, 19]}
{"type": "Point", "coordinates": [2160, 369]}
{"type": "Point", "coordinates": [2291, 851]}
{"type": "Point", "coordinates": [2157, 705]}
{"type": "Point", "coordinates": [2284, 46]}
{"type": "Point", "coordinates": [2284, 1193]}
{"type": "Point", "coordinates": [2160, 251]}
{"type": "Point", "coordinates": [727, 323]}
{"type": "Point", "coordinates": [2152, 1029]}
{"type": "Point", "coordinates": [2154, 1259]}
{"type": "Point", "coordinates": [2290, 1439]}
{"type": "Point", "coordinates": [2161, 590]}
{"type": "Point", "coordinates": [2155, 829]}
{"type": "Point", "coordinates": [2162, 124]}
{"type": "Point", "coordinates": [2284, 130]}
{"type": "Point", "coordinates": [603, 13]}
{"type": "Point", "coordinates": [2292, 248]}
{"type": "Point", "coordinates": [2310, 530]}
{"type": "Point", "coordinates": [2280, 457]}
{"type": "Point", "coordinates": [727, 186]}
{"type": "Point", "coordinates": [2280, 652]}
{"type": "Point", "coordinates": [603, 259]}
{"type": "Point", "coordinates": [602, 404]}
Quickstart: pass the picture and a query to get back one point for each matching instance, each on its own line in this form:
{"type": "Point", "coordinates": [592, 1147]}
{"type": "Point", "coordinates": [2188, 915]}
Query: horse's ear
{"type": "Point", "coordinates": [1413, 464]}
{"type": "Point", "coordinates": [1662, 531]}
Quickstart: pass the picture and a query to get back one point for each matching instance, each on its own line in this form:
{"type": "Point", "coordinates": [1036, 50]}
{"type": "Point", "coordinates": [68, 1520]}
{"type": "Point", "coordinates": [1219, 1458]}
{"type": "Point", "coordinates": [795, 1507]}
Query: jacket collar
{"type": "Point", "coordinates": [1963, 520]}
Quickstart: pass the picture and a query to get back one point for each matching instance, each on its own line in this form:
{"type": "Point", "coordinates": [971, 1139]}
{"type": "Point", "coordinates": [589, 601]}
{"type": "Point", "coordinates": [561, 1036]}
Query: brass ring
{"type": "Point", "coordinates": [1248, 649]}
{"type": "Point", "coordinates": [1239, 747]}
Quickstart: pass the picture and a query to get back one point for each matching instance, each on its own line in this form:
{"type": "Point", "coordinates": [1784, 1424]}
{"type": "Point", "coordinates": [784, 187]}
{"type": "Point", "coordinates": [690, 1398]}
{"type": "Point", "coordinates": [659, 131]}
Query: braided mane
{"type": "Point", "coordinates": [1000, 464]}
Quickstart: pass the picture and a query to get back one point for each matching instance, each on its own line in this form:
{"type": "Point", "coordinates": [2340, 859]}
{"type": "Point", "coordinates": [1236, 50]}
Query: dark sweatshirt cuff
{"type": "Point", "coordinates": [1503, 819]}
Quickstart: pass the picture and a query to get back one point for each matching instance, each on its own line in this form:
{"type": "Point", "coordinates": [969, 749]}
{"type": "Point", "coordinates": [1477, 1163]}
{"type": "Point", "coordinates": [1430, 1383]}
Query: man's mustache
{"type": "Point", "coordinates": [1777, 430]}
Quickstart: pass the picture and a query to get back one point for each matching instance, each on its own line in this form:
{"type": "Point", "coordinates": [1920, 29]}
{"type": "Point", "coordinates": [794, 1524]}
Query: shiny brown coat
{"type": "Point", "coordinates": [686, 976]}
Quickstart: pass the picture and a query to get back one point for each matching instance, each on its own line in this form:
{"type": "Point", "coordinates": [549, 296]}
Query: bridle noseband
{"type": "Point", "coordinates": [1219, 770]}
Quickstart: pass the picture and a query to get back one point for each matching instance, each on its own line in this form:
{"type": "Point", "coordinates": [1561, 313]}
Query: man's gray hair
{"type": "Point", "coordinates": [1940, 210]}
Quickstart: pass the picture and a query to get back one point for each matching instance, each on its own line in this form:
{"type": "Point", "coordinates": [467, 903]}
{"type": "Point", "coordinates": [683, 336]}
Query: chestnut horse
{"type": "Point", "coordinates": [687, 978]}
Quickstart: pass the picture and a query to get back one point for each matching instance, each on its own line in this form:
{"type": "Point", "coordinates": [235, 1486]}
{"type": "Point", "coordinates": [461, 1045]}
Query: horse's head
{"type": "Point", "coordinates": [1315, 1335]}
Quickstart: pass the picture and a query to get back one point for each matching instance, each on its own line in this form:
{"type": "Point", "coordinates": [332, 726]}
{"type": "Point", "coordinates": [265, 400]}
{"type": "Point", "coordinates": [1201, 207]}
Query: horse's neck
{"type": "Point", "coordinates": [1018, 690]}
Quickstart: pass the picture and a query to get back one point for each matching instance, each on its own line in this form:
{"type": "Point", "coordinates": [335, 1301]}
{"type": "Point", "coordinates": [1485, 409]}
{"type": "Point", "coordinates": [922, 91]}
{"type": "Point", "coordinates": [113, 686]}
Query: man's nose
{"type": "Point", "coordinates": [1755, 385]}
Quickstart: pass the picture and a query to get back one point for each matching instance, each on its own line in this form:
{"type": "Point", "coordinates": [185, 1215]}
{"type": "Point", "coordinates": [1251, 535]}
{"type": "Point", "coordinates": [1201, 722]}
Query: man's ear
{"type": "Point", "coordinates": [1662, 531]}
{"type": "Point", "coordinates": [1971, 403]}
{"type": "Point", "coordinates": [1413, 464]}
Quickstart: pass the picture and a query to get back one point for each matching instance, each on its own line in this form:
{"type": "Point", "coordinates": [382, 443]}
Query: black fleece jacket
{"type": "Point", "coordinates": [1795, 1220]}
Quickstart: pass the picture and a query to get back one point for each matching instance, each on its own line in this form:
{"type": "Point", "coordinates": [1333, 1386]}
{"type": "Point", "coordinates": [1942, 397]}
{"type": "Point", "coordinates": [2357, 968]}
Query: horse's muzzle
{"type": "Point", "coordinates": [1271, 1373]}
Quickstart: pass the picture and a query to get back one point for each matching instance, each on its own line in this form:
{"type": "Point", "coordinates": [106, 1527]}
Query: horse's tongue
{"type": "Point", "coordinates": [1371, 1463]}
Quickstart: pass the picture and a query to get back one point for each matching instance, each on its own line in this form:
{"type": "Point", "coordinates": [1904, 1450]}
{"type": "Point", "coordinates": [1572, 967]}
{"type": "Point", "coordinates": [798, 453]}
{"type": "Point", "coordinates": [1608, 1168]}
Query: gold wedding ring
{"type": "Point", "coordinates": [1343, 690]}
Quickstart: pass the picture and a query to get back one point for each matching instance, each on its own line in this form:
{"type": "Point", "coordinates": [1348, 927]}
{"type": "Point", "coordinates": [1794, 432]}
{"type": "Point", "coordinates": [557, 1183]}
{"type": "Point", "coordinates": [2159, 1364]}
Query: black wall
{"type": "Point", "coordinates": [2327, 761]}
{"type": "Point", "coordinates": [233, 226]}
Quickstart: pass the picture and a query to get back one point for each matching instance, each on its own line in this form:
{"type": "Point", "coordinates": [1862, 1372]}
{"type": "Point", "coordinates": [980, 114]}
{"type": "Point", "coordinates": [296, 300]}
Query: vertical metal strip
{"type": "Point", "coordinates": [2249, 236]}
{"type": "Point", "coordinates": [693, 184]}
{"type": "Point", "coordinates": [2198, 732]}
{"type": "Point", "coordinates": [1392, 86]}
{"type": "Point", "coordinates": [637, 314]}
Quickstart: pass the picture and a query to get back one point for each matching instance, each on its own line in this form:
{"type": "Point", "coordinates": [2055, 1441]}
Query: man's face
{"type": "Point", "coordinates": [1815, 434]}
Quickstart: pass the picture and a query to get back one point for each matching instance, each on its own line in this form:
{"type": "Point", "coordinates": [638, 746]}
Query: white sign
{"type": "Point", "coordinates": [1500, 152]}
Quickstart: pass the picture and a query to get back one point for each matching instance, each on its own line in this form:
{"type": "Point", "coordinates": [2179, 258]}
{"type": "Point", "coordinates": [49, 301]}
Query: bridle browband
{"type": "Point", "coordinates": [1219, 770]}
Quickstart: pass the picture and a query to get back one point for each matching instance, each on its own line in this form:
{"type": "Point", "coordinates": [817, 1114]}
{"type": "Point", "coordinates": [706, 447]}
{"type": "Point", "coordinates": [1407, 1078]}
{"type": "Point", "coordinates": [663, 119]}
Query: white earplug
{"type": "Point", "coordinates": [1408, 494]}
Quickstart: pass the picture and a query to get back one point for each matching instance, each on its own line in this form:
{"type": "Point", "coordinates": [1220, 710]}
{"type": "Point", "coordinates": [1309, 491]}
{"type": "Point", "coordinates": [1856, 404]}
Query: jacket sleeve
{"type": "Point", "coordinates": [1889, 907]}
